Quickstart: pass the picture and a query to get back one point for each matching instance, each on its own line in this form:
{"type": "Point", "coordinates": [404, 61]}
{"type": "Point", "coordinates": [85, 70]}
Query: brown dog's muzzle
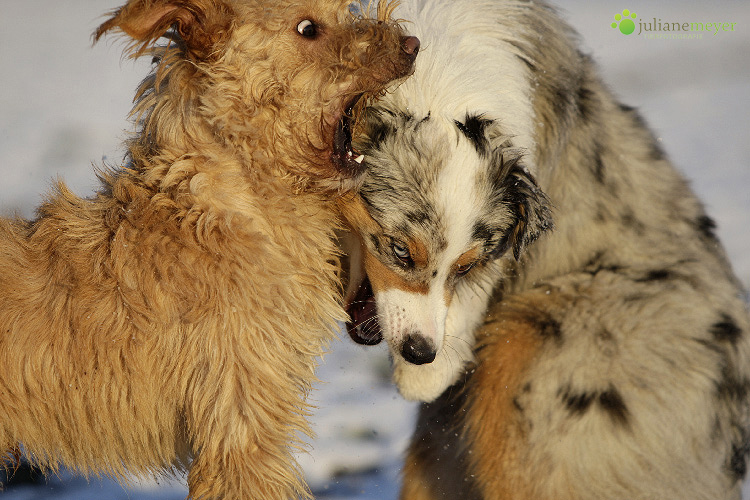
{"type": "Point", "coordinates": [410, 45]}
{"type": "Point", "coordinates": [344, 157]}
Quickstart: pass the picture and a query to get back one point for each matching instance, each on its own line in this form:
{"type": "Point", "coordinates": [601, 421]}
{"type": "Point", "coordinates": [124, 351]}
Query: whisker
{"type": "Point", "coordinates": [459, 338]}
{"type": "Point", "coordinates": [358, 302]}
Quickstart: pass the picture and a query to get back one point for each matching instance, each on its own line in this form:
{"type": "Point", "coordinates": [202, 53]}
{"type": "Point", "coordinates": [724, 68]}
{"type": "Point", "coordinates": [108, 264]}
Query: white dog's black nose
{"type": "Point", "coordinates": [418, 350]}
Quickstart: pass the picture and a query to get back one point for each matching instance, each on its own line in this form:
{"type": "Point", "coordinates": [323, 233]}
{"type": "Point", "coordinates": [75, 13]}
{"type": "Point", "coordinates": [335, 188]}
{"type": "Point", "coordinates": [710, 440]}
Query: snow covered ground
{"type": "Point", "coordinates": [63, 106]}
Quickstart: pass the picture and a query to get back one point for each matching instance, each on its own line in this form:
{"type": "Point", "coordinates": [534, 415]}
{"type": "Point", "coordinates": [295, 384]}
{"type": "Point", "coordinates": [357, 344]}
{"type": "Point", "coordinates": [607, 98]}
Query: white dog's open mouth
{"type": "Point", "coordinates": [364, 327]}
{"type": "Point", "coordinates": [348, 161]}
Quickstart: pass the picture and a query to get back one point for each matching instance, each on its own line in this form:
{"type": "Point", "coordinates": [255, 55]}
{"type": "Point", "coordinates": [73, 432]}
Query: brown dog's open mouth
{"type": "Point", "coordinates": [364, 327]}
{"type": "Point", "coordinates": [348, 161]}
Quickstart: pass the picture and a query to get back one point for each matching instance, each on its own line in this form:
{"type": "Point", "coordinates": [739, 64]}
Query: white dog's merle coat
{"type": "Point", "coordinates": [613, 360]}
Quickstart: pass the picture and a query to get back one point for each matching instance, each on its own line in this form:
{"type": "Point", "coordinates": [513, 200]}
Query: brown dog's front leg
{"type": "Point", "coordinates": [247, 473]}
{"type": "Point", "coordinates": [243, 427]}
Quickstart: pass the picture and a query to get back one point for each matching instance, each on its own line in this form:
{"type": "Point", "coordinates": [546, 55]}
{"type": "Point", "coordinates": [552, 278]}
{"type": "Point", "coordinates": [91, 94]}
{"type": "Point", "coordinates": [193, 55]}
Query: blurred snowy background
{"type": "Point", "coordinates": [63, 107]}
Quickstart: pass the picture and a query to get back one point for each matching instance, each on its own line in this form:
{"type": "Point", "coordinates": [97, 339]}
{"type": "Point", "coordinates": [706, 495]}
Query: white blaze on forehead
{"type": "Point", "coordinates": [459, 200]}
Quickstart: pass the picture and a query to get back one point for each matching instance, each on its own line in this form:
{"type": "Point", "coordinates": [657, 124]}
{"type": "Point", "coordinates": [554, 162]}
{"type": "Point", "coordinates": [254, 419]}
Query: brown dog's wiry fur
{"type": "Point", "coordinates": [174, 319]}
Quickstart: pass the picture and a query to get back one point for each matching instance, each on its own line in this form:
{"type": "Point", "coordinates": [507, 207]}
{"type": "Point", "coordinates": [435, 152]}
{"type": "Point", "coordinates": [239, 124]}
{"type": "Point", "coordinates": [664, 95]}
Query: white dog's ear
{"type": "Point", "coordinates": [514, 186]}
{"type": "Point", "coordinates": [530, 206]}
{"type": "Point", "coordinates": [518, 193]}
{"type": "Point", "coordinates": [200, 24]}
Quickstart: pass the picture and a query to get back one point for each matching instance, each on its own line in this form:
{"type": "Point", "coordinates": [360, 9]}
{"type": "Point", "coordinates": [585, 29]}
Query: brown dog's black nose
{"type": "Point", "coordinates": [410, 45]}
{"type": "Point", "coordinates": [418, 350]}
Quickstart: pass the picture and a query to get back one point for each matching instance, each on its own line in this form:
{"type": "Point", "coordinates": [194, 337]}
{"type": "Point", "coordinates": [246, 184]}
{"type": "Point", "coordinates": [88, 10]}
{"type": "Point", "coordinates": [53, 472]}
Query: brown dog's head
{"type": "Point", "coordinates": [277, 81]}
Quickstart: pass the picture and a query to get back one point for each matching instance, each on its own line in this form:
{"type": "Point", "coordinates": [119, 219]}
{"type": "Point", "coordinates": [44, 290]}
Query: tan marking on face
{"type": "Point", "coordinates": [382, 278]}
{"type": "Point", "coordinates": [352, 209]}
{"type": "Point", "coordinates": [466, 258]}
{"type": "Point", "coordinates": [419, 254]}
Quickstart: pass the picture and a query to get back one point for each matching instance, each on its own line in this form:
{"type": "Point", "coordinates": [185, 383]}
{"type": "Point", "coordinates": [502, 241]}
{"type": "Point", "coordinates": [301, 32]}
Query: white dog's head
{"type": "Point", "coordinates": [445, 204]}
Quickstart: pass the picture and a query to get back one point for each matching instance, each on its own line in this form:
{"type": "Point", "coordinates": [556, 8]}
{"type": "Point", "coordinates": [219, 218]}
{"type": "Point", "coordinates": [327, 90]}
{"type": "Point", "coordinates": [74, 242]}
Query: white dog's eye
{"type": "Point", "coordinates": [401, 251]}
{"type": "Point", "coordinates": [462, 270]}
{"type": "Point", "coordinates": [307, 28]}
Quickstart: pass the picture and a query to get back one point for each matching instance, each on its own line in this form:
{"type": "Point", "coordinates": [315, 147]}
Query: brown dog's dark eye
{"type": "Point", "coordinates": [307, 28]}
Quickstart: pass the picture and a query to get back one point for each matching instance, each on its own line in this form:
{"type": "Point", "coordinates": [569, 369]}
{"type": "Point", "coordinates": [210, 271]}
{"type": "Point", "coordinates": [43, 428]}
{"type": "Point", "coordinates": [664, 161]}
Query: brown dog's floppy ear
{"type": "Point", "coordinates": [199, 23]}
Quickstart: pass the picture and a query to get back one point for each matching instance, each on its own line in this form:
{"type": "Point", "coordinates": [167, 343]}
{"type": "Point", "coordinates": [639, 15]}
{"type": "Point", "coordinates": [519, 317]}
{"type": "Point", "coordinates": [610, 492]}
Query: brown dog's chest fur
{"type": "Point", "coordinates": [158, 303]}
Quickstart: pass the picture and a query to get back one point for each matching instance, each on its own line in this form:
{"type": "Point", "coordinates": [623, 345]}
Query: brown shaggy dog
{"type": "Point", "coordinates": [174, 319]}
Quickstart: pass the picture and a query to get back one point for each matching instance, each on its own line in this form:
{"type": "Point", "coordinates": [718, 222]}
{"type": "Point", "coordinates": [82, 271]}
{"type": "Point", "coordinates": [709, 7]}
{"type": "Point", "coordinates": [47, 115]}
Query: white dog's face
{"type": "Point", "coordinates": [443, 201]}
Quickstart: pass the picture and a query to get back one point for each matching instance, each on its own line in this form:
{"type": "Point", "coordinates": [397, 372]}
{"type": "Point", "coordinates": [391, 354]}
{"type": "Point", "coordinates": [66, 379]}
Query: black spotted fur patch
{"type": "Point", "coordinates": [609, 401]}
